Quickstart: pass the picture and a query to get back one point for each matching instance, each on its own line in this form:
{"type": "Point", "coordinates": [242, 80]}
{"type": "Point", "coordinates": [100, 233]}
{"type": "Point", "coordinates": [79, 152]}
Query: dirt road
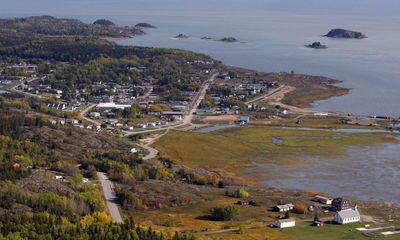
{"type": "Point", "coordinates": [110, 196]}
{"type": "Point", "coordinates": [85, 111]}
{"type": "Point", "coordinates": [276, 97]}
{"type": "Point", "coordinates": [146, 144]}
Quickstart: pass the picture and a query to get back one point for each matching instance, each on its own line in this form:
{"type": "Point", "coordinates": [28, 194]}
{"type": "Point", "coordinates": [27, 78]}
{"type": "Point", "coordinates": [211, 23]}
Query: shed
{"type": "Point", "coordinates": [244, 119]}
{"type": "Point", "coordinates": [285, 223]}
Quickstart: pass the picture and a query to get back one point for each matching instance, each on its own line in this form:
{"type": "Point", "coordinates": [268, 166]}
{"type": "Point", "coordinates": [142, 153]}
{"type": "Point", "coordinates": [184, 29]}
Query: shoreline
{"type": "Point", "coordinates": [330, 85]}
{"type": "Point", "coordinates": [298, 98]}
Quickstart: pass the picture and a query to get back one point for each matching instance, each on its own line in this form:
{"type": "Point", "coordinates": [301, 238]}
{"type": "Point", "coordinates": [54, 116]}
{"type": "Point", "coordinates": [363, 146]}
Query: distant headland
{"type": "Point", "coordinates": [144, 25]}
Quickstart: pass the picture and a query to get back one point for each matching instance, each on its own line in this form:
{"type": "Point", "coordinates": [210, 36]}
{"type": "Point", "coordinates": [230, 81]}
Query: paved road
{"type": "Point", "coordinates": [187, 119]}
{"type": "Point", "coordinates": [110, 196]}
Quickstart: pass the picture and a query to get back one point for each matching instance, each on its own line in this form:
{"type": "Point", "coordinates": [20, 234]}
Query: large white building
{"type": "Point", "coordinates": [347, 216]}
{"type": "Point", "coordinates": [112, 105]}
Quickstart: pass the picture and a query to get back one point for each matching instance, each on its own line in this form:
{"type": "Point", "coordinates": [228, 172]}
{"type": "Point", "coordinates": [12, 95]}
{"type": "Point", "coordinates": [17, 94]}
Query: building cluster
{"type": "Point", "coordinates": [345, 212]}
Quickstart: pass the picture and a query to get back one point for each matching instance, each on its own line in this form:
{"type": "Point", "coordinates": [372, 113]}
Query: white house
{"type": "Point", "coordinates": [94, 114]}
{"type": "Point", "coordinates": [133, 150]}
{"type": "Point", "coordinates": [151, 125]}
{"type": "Point", "coordinates": [177, 116]}
{"type": "Point", "coordinates": [347, 216]}
{"type": "Point", "coordinates": [284, 223]}
{"type": "Point", "coordinates": [284, 208]}
{"type": "Point", "coordinates": [323, 200]}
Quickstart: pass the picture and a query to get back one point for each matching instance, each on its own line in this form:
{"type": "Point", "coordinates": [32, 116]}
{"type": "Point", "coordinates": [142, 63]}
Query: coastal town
{"type": "Point", "coordinates": [126, 108]}
{"type": "Point", "coordinates": [145, 143]}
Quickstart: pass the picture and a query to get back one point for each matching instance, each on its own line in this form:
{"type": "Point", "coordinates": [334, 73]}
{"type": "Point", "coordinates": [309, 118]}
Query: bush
{"type": "Point", "coordinates": [300, 208]}
{"type": "Point", "coordinates": [128, 200]}
{"type": "Point", "coordinates": [224, 213]}
{"type": "Point", "coordinates": [241, 193]}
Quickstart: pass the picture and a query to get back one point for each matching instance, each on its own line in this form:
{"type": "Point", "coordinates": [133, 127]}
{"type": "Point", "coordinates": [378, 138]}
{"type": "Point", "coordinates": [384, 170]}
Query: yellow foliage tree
{"type": "Point", "coordinates": [101, 217]}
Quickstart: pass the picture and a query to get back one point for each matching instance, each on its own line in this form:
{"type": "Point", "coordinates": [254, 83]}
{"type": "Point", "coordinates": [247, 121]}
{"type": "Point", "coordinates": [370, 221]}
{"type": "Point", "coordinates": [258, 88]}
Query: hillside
{"type": "Point", "coordinates": [48, 25]}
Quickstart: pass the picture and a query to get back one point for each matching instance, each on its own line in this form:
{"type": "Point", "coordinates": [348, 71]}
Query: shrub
{"type": "Point", "coordinates": [224, 213]}
{"type": "Point", "coordinates": [241, 193]}
{"type": "Point", "coordinates": [300, 208]}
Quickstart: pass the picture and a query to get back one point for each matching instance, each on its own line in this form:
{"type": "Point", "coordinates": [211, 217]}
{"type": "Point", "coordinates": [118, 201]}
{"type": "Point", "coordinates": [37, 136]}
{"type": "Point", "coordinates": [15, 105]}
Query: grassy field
{"type": "Point", "coordinates": [253, 221]}
{"type": "Point", "coordinates": [331, 122]}
{"type": "Point", "coordinates": [236, 148]}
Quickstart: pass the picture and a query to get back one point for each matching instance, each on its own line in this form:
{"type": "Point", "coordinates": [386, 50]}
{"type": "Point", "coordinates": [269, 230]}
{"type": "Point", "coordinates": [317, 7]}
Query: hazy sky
{"type": "Point", "coordinates": [192, 7]}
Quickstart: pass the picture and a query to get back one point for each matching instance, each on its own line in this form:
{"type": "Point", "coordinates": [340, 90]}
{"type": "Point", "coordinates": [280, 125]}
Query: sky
{"type": "Point", "coordinates": [193, 7]}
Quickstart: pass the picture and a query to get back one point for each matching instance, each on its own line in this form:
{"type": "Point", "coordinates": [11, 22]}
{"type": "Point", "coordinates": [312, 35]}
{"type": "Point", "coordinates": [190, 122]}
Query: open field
{"type": "Point", "coordinates": [234, 149]}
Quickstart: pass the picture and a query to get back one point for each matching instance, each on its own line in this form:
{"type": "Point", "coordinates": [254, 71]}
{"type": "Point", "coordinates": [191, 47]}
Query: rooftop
{"type": "Point", "coordinates": [348, 213]}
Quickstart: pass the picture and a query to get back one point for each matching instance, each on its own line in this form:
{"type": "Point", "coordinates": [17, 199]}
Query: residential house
{"type": "Point", "coordinates": [133, 150]}
{"type": "Point", "coordinates": [73, 121]}
{"type": "Point", "coordinates": [205, 111]}
{"type": "Point", "coordinates": [94, 114]}
{"type": "Point", "coordinates": [323, 200]}
{"type": "Point", "coordinates": [178, 108]}
{"type": "Point", "coordinates": [339, 204]}
{"type": "Point", "coordinates": [283, 208]}
{"type": "Point", "coordinates": [172, 116]}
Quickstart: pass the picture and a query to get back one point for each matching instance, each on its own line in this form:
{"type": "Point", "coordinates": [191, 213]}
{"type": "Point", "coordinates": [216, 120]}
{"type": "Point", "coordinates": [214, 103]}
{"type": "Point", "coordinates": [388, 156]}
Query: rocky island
{"type": "Point", "coordinates": [228, 39]}
{"type": "Point", "coordinates": [225, 39]}
{"type": "Point", "coordinates": [343, 33]}
{"type": "Point", "coordinates": [144, 25]}
{"type": "Point", "coordinates": [317, 45]}
{"type": "Point", "coordinates": [182, 36]}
